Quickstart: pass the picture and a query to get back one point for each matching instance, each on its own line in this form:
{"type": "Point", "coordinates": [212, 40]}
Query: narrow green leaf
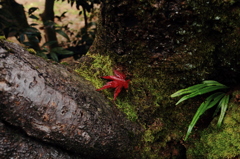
{"type": "Point", "coordinates": [183, 99]}
{"type": "Point", "coordinates": [21, 38]}
{"type": "Point", "coordinates": [59, 31]}
{"type": "Point", "coordinates": [33, 24]}
{"type": "Point", "coordinates": [63, 14]}
{"type": "Point", "coordinates": [212, 82]}
{"type": "Point", "coordinates": [211, 101]}
{"type": "Point", "coordinates": [33, 17]}
{"type": "Point", "coordinates": [188, 90]}
{"type": "Point", "coordinates": [200, 92]}
{"type": "Point", "coordinates": [199, 112]}
{"type": "Point", "coordinates": [223, 104]}
{"type": "Point", "coordinates": [32, 9]}
{"type": "Point", "coordinates": [214, 99]}
{"type": "Point", "coordinates": [208, 103]}
{"type": "Point", "coordinates": [41, 54]}
{"type": "Point", "coordinates": [48, 23]}
{"type": "Point", "coordinates": [65, 52]}
{"type": "Point", "coordinates": [61, 51]}
{"type": "Point", "coordinates": [209, 89]}
{"type": "Point", "coordinates": [216, 110]}
{"type": "Point", "coordinates": [218, 107]}
{"type": "Point", "coordinates": [54, 56]}
{"type": "Point", "coordinates": [48, 43]}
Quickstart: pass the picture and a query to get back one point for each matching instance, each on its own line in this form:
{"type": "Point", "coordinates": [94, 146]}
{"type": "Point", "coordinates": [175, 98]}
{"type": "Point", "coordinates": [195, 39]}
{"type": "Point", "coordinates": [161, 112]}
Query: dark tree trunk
{"type": "Point", "coordinates": [57, 106]}
{"type": "Point", "coordinates": [48, 22]}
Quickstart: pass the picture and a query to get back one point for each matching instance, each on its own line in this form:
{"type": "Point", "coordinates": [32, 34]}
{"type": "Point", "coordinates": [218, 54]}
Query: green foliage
{"type": "Point", "coordinates": [61, 32]}
{"type": "Point", "coordinates": [31, 10]}
{"type": "Point", "coordinates": [59, 51]}
{"type": "Point", "coordinates": [77, 40]}
{"type": "Point", "coordinates": [218, 97]}
{"type": "Point", "coordinates": [53, 53]}
{"type": "Point", "coordinates": [199, 89]}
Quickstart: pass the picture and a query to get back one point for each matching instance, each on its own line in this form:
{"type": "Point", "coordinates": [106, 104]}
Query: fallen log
{"type": "Point", "coordinates": [55, 105]}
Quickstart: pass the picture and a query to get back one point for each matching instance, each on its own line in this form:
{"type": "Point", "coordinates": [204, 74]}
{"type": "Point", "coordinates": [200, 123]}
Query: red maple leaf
{"type": "Point", "coordinates": [118, 82]}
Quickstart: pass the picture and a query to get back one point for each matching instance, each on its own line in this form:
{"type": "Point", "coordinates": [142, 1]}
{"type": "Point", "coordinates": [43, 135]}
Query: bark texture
{"type": "Point", "coordinates": [57, 106]}
{"type": "Point", "coordinates": [14, 143]}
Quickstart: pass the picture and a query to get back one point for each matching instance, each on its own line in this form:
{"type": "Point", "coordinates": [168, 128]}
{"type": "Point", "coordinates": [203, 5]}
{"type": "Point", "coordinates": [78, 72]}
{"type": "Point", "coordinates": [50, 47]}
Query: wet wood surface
{"type": "Point", "coordinates": [54, 105]}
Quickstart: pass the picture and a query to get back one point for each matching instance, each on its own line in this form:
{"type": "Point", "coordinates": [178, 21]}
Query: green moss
{"type": "Point", "coordinates": [128, 109]}
{"type": "Point", "coordinates": [97, 66]}
{"type": "Point", "coordinates": [31, 51]}
{"type": "Point", "coordinates": [148, 136]}
{"type": "Point", "coordinates": [64, 63]}
{"type": "Point", "coordinates": [219, 143]}
{"type": "Point", "coordinates": [2, 38]}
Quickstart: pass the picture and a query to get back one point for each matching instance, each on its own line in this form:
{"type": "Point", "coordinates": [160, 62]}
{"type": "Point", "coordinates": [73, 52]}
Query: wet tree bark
{"type": "Point", "coordinates": [14, 143]}
{"type": "Point", "coordinates": [56, 106]}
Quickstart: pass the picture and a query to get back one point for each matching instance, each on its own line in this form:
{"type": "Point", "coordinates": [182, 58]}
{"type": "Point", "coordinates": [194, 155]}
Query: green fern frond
{"type": "Point", "coordinates": [199, 89]}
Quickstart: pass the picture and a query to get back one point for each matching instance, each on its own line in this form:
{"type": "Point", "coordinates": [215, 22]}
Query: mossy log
{"type": "Point", "coordinates": [54, 105]}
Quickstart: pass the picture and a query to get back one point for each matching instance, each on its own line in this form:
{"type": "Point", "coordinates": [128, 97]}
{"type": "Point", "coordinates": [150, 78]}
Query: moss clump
{"type": "Point", "coordinates": [64, 63]}
{"type": "Point", "coordinates": [94, 67]}
{"type": "Point", "coordinates": [219, 143]}
{"type": "Point", "coordinates": [31, 51]}
{"type": "Point", "coordinates": [2, 38]}
{"type": "Point", "coordinates": [98, 65]}
{"type": "Point", "coordinates": [128, 109]}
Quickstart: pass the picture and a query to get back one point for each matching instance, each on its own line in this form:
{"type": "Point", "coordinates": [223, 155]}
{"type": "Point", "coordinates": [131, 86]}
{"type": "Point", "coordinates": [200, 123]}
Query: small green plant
{"type": "Point", "coordinates": [207, 86]}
